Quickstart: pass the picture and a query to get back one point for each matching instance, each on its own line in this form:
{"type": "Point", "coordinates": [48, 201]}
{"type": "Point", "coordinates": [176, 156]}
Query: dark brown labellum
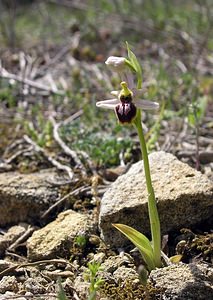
{"type": "Point", "coordinates": [126, 112]}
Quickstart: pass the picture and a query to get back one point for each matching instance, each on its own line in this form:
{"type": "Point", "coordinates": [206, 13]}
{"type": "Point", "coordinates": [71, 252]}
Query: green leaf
{"type": "Point", "coordinates": [191, 117]}
{"type": "Point", "coordinates": [176, 258]}
{"type": "Point", "coordinates": [135, 65]}
{"type": "Point", "coordinates": [92, 295]}
{"type": "Point", "coordinates": [61, 294]}
{"type": "Point", "coordinates": [197, 111]}
{"type": "Point", "coordinates": [140, 241]}
{"type": "Point", "coordinates": [202, 105]}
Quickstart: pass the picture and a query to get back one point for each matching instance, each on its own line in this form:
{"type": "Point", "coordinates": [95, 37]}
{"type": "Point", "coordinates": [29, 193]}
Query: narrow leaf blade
{"type": "Point", "coordinates": [140, 241]}
{"type": "Point", "coordinates": [135, 64]}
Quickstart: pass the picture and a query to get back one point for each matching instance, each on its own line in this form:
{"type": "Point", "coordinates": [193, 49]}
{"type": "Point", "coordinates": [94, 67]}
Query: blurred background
{"type": "Point", "coordinates": [52, 72]}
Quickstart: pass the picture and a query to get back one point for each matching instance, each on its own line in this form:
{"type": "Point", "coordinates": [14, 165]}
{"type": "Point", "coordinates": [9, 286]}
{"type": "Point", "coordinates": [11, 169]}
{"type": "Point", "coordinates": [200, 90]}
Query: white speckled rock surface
{"type": "Point", "coordinates": [184, 197]}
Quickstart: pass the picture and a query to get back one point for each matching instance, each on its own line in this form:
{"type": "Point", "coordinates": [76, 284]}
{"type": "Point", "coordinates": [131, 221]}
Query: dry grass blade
{"type": "Point", "coordinates": [61, 200]}
{"type": "Point", "coordinates": [53, 161]}
{"type": "Point", "coordinates": [6, 75]}
{"type": "Point", "coordinates": [66, 149]}
{"type": "Point", "coordinates": [36, 263]}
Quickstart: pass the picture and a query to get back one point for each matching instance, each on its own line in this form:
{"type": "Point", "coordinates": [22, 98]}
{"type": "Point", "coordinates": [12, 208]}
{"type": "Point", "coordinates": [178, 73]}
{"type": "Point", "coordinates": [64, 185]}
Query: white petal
{"type": "Point", "coordinates": [108, 104]}
{"type": "Point", "coordinates": [146, 105]}
{"type": "Point", "coordinates": [138, 92]}
{"type": "Point", "coordinates": [115, 93]}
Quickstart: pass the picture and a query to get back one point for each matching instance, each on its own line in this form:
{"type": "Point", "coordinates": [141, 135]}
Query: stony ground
{"type": "Point", "coordinates": [67, 171]}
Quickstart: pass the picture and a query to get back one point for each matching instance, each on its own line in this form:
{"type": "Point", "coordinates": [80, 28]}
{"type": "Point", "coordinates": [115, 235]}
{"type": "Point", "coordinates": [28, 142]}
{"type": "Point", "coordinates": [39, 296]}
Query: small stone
{"type": "Point", "coordinates": [56, 238]}
{"type": "Point", "coordinates": [81, 286]}
{"type": "Point", "coordinates": [99, 257]}
{"type": "Point", "coordinates": [68, 286]}
{"type": "Point", "coordinates": [184, 282]}
{"type": "Point", "coordinates": [184, 197]}
{"type": "Point", "coordinates": [28, 294]}
{"type": "Point", "coordinates": [33, 286]}
{"type": "Point", "coordinates": [124, 273]}
{"type": "Point", "coordinates": [8, 283]}
{"type": "Point", "coordinates": [4, 264]}
{"type": "Point", "coordinates": [8, 295]}
{"type": "Point", "coordinates": [11, 236]}
{"type": "Point", "coordinates": [94, 240]}
{"type": "Point", "coordinates": [111, 264]}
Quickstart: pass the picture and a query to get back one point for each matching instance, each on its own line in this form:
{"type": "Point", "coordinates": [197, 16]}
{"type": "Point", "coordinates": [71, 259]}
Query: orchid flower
{"type": "Point", "coordinates": [126, 103]}
{"type": "Point", "coordinates": [127, 106]}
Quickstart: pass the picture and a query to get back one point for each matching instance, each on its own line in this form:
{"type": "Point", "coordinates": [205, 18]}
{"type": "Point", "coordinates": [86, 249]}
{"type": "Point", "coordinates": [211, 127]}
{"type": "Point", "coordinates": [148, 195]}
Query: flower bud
{"type": "Point", "coordinates": [117, 63]}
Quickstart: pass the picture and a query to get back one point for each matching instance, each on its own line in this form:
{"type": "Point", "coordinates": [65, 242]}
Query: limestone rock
{"type": "Point", "coordinates": [24, 197]}
{"type": "Point", "coordinates": [8, 283]}
{"type": "Point", "coordinates": [184, 282]}
{"type": "Point", "coordinates": [184, 197]}
{"type": "Point", "coordinates": [56, 238]}
{"type": "Point", "coordinates": [11, 236]}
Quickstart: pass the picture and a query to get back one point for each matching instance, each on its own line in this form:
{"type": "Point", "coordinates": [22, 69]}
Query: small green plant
{"type": "Point", "coordinates": [94, 279]}
{"type": "Point", "coordinates": [42, 133]}
{"type": "Point", "coordinates": [196, 112]}
{"type": "Point", "coordinates": [61, 294]}
{"type": "Point", "coordinates": [127, 107]}
{"type": "Point", "coordinates": [154, 132]}
{"type": "Point", "coordinates": [81, 241]}
{"type": "Point", "coordinates": [7, 96]}
{"type": "Point", "coordinates": [103, 149]}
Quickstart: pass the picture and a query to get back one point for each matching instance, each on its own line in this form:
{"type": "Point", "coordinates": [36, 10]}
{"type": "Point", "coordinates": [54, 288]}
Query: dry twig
{"type": "Point", "coordinates": [5, 74]}
{"type": "Point", "coordinates": [36, 263]}
{"type": "Point", "coordinates": [17, 154]}
{"type": "Point", "coordinates": [61, 200]}
{"type": "Point", "coordinates": [53, 161]}
{"type": "Point", "coordinates": [21, 239]}
{"type": "Point", "coordinates": [61, 143]}
{"type": "Point", "coordinates": [32, 296]}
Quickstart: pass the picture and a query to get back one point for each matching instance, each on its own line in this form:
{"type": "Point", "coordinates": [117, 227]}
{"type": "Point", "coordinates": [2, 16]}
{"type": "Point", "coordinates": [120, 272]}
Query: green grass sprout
{"type": "Point", "coordinates": [93, 278]}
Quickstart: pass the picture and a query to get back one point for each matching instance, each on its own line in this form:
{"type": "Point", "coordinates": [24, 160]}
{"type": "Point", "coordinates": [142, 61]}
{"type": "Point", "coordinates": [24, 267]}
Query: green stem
{"type": "Point", "coordinates": [152, 207]}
